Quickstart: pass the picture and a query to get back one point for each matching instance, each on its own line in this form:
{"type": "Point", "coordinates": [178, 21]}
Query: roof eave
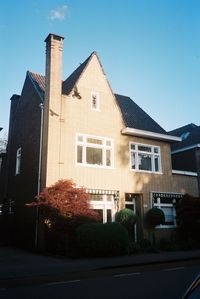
{"type": "Point", "coordinates": [149, 134]}
{"type": "Point", "coordinates": [186, 148]}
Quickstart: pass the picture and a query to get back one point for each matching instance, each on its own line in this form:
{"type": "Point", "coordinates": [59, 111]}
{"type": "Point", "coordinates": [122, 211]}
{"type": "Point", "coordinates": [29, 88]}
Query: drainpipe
{"type": "Point", "coordinates": [39, 175]}
{"type": "Point", "coordinates": [198, 167]}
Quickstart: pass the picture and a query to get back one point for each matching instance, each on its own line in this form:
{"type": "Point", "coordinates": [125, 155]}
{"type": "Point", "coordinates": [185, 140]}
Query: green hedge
{"type": "Point", "coordinates": [97, 239]}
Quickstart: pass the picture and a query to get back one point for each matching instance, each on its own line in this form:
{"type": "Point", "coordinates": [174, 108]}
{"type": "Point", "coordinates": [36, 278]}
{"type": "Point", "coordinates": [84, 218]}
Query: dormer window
{"type": "Point", "coordinates": [18, 161]}
{"type": "Point", "coordinates": [95, 104]}
{"type": "Point", "coordinates": [185, 135]}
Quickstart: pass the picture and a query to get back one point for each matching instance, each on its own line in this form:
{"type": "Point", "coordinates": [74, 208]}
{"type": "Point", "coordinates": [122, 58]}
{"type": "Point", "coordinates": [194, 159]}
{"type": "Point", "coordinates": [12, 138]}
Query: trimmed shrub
{"type": "Point", "coordinates": [97, 239]}
{"type": "Point", "coordinates": [128, 219]}
{"type": "Point", "coordinates": [153, 217]}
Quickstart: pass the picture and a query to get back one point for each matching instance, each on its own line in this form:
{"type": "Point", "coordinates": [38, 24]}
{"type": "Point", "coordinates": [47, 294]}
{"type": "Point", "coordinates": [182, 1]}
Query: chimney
{"type": "Point", "coordinates": [52, 110]}
{"type": "Point", "coordinates": [53, 73]}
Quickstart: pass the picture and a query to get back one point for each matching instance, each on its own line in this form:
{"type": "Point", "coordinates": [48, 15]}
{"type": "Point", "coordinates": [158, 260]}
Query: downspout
{"type": "Point", "coordinates": [197, 153]}
{"type": "Point", "coordinates": [39, 175]}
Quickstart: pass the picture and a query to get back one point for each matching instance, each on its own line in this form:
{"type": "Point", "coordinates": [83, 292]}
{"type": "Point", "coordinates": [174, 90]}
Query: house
{"type": "Point", "coordinates": [79, 129]}
{"type": "Point", "coordinates": [186, 154]}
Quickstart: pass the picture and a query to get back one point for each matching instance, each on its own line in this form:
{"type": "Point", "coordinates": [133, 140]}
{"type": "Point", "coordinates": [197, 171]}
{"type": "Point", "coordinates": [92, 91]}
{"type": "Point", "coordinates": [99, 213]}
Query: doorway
{"type": "Point", "coordinates": [134, 201]}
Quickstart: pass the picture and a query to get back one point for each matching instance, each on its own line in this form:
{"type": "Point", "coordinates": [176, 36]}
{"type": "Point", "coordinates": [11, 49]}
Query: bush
{"type": "Point", "coordinates": [128, 219]}
{"type": "Point", "coordinates": [97, 239]}
{"type": "Point", "coordinates": [154, 217]}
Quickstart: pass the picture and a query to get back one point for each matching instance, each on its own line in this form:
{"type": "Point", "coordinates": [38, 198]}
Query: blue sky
{"type": "Point", "coordinates": [150, 50]}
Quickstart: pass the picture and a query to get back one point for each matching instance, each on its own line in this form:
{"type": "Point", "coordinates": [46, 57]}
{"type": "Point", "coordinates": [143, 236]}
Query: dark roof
{"type": "Point", "coordinates": [135, 117]}
{"type": "Point", "coordinates": [179, 131]}
{"type": "Point", "coordinates": [38, 81]}
{"type": "Point", "coordinates": [71, 81]}
{"type": "Point", "coordinates": [190, 134]}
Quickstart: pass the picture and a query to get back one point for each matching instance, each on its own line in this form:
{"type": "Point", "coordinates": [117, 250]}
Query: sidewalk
{"type": "Point", "coordinates": [17, 263]}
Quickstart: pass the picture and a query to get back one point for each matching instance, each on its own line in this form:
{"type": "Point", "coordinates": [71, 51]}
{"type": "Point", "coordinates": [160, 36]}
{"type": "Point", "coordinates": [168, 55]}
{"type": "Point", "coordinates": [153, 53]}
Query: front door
{"type": "Point", "coordinates": [133, 201]}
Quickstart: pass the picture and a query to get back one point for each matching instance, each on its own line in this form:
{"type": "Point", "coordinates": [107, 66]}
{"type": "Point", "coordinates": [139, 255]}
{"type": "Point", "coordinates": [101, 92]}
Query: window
{"type": "Point", "coordinates": [18, 161]}
{"type": "Point", "coordinates": [95, 104]}
{"type": "Point", "coordinates": [96, 151]}
{"type": "Point", "coordinates": [104, 205]}
{"type": "Point", "coordinates": [145, 157]}
{"type": "Point", "coordinates": [185, 135]}
{"type": "Point", "coordinates": [166, 202]}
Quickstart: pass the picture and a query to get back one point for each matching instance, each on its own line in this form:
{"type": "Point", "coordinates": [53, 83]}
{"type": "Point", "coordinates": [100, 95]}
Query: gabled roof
{"type": "Point", "coordinates": [190, 137]}
{"type": "Point", "coordinates": [134, 117]}
{"type": "Point", "coordinates": [179, 131]}
{"type": "Point", "coordinates": [71, 81]}
{"type": "Point", "coordinates": [38, 82]}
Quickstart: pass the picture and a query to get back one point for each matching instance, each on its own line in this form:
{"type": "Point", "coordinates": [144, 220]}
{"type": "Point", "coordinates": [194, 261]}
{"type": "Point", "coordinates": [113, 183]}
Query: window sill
{"type": "Point", "coordinates": [146, 171]}
{"type": "Point", "coordinates": [166, 226]}
{"type": "Point", "coordinates": [95, 166]}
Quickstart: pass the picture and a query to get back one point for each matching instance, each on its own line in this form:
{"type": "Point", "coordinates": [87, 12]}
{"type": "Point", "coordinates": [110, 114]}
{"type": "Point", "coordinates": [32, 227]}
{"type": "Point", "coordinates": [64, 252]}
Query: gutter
{"type": "Point", "coordinates": [149, 134]}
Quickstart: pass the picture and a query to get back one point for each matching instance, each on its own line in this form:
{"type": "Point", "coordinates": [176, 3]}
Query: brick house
{"type": "Point", "coordinates": [186, 154]}
{"type": "Point", "coordinates": [79, 129]}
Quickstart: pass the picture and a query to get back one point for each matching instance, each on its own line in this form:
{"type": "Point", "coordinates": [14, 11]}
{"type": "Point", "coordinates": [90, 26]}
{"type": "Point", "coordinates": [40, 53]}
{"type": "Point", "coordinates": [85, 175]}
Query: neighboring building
{"type": "Point", "coordinates": [79, 129]}
{"type": "Point", "coordinates": [186, 154]}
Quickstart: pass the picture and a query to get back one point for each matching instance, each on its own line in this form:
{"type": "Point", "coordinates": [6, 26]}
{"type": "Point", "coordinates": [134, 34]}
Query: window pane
{"type": "Point", "coordinates": [169, 217]}
{"type": "Point", "coordinates": [156, 150]}
{"type": "Point", "coordinates": [108, 158]}
{"type": "Point", "coordinates": [98, 197]}
{"type": "Point", "coordinates": [166, 200]}
{"type": "Point", "coordinates": [156, 162]}
{"type": "Point", "coordinates": [144, 162]}
{"type": "Point", "coordinates": [79, 154]}
{"type": "Point", "coordinates": [94, 140]}
{"type": "Point", "coordinates": [80, 138]}
{"type": "Point", "coordinates": [94, 102]}
{"type": "Point", "coordinates": [108, 142]}
{"type": "Point", "coordinates": [133, 162]}
{"type": "Point", "coordinates": [109, 197]}
{"type": "Point", "coordinates": [109, 215]}
{"type": "Point", "coordinates": [94, 156]}
{"type": "Point", "coordinates": [132, 146]}
{"type": "Point", "coordinates": [144, 148]}
{"type": "Point", "coordinates": [130, 206]}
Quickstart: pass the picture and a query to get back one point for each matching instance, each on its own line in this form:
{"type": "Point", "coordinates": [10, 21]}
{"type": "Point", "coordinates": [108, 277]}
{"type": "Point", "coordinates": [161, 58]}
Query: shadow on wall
{"type": "Point", "coordinates": [164, 181]}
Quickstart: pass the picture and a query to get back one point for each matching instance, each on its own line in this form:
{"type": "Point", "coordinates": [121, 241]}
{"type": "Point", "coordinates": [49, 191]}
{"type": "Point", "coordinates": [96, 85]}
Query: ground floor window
{"type": "Point", "coordinates": [166, 202]}
{"type": "Point", "coordinates": [104, 202]}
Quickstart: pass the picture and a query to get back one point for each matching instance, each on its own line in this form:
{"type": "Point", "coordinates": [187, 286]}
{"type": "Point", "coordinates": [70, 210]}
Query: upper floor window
{"type": "Point", "coordinates": [92, 150]}
{"type": "Point", "coordinates": [95, 102]}
{"type": "Point", "coordinates": [18, 161]}
{"type": "Point", "coordinates": [145, 157]}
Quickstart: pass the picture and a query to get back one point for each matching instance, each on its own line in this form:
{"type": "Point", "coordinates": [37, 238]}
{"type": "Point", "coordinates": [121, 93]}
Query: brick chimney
{"type": "Point", "coordinates": [52, 110]}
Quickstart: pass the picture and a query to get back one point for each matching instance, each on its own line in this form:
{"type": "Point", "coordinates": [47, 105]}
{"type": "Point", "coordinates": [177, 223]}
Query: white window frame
{"type": "Point", "coordinates": [104, 146]}
{"type": "Point", "coordinates": [104, 205]}
{"type": "Point", "coordinates": [18, 161]}
{"type": "Point", "coordinates": [160, 205]}
{"type": "Point", "coordinates": [96, 94]}
{"type": "Point", "coordinates": [152, 154]}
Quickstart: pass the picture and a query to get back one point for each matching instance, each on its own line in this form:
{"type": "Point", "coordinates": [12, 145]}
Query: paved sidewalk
{"type": "Point", "coordinates": [18, 263]}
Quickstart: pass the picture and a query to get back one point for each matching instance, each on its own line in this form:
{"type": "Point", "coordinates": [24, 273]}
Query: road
{"type": "Point", "coordinates": [160, 281]}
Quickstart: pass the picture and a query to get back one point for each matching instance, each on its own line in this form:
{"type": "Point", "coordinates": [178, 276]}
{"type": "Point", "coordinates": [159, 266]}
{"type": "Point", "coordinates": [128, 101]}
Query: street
{"type": "Point", "coordinates": [166, 281]}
